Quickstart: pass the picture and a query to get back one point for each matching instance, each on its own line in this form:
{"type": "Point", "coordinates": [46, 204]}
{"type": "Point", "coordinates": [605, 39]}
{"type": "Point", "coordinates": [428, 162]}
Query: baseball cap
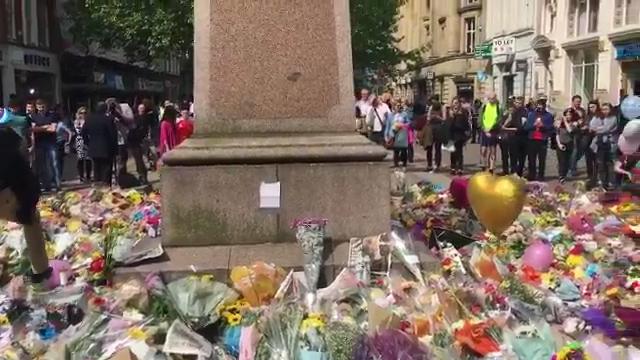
{"type": "Point", "coordinates": [629, 139]}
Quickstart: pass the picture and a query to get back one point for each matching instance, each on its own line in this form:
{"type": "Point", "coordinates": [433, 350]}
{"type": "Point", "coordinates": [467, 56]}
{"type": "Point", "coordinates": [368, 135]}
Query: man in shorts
{"type": "Point", "coordinates": [490, 116]}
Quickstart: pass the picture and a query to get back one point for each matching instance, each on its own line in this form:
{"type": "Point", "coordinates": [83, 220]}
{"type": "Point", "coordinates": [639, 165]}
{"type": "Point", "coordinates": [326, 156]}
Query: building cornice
{"type": "Point", "coordinates": [625, 34]}
{"type": "Point", "coordinates": [516, 33]}
{"type": "Point", "coordinates": [468, 8]}
{"type": "Point", "coordinates": [443, 59]}
{"type": "Point", "coordinates": [580, 42]}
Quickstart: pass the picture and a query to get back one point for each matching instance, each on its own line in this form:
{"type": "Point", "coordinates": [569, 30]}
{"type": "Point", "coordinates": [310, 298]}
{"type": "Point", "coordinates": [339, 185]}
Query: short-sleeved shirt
{"type": "Point", "coordinates": [43, 138]}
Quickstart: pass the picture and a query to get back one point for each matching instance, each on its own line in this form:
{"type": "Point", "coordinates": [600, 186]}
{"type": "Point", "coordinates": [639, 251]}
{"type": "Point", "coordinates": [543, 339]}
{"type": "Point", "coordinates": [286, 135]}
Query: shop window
{"type": "Point", "coordinates": [583, 17]}
{"type": "Point", "coordinates": [584, 66]}
{"type": "Point", "coordinates": [627, 12]}
{"type": "Point", "coordinates": [469, 34]}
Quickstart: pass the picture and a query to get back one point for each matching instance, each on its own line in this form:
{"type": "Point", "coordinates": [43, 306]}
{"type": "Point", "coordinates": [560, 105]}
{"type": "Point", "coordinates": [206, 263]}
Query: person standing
{"type": "Point", "coordinates": [603, 127]}
{"type": "Point", "coordinates": [586, 140]}
{"type": "Point", "coordinates": [363, 106]}
{"type": "Point", "coordinates": [21, 125]}
{"type": "Point", "coordinates": [138, 133]}
{"type": "Point", "coordinates": [168, 140]}
{"type": "Point", "coordinates": [580, 125]}
{"type": "Point", "coordinates": [399, 132]}
{"type": "Point", "coordinates": [82, 152]}
{"type": "Point", "coordinates": [516, 136]}
{"type": "Point", "coordinates": [432, 137]}
{"type": "Point", "coordinates": [184, 126]}
{"type": "Point", "coordinates": [459, 128]}
{"type": "Point", "coordinates": [564, 143]}
{"type": "Point", "coordinates": [477, 106]}
{"type": "Point", "coordinates": [410, 116]}
{"type": "Point", "coordinates": [44, 128]}
{"type": "Point", "coordinates": [489, 125]}
{"type": "Point", "coordinates": [503, 139]}
{"type": "Point", "coordinates": [539, 127]}
{"type": "Point", "coordinates": [63, 139]}
{"type": "Point", "coordinates": [376, 120]}
{"type": "Point", "coordinates": [100, 135]}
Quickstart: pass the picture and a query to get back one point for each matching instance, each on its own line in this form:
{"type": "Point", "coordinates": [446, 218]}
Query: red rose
{"type": "Point", "coordinates": [97, 265]}
{"type": "Point", "coordinates": [98, 301]}
{"type": "Point", "coordinates": [577, 250]}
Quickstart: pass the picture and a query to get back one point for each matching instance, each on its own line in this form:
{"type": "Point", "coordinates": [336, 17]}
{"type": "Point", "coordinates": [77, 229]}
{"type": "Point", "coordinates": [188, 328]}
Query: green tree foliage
{"type": "Point", "coordinates": [144, 29]}
{"type": "Point", "coordinates": [374, 24]}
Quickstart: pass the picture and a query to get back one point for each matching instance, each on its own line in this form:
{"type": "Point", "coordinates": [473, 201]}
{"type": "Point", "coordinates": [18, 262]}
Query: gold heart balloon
{"type": "Point", "coordinates": [496, 201]}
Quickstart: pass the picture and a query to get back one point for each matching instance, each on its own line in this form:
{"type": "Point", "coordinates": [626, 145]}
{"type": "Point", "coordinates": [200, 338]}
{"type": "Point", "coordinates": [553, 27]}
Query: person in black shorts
{"type": "Point", "coordinates": [19, 196]}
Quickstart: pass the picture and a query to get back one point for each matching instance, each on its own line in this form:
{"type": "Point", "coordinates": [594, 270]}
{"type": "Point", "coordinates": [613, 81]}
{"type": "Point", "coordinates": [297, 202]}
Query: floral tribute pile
{"type": "Point", "coordinates": [563, 282]}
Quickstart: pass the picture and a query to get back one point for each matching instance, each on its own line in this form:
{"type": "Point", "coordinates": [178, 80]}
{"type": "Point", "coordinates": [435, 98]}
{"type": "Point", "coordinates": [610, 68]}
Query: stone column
{"type": "Point", "coordinates": [274, 103]}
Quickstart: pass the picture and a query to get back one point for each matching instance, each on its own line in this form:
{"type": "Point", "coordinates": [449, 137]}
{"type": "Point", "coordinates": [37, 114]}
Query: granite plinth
{"type": "Point", "coordinates": [272, 66]}
{"type": "Point", "coordinates": [210, 188]}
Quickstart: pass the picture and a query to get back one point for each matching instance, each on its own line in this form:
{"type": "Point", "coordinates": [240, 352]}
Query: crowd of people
{"type": "Point", "coordinates": [523, 132]}
{"type": "Point", "coordinates": [101, 141]}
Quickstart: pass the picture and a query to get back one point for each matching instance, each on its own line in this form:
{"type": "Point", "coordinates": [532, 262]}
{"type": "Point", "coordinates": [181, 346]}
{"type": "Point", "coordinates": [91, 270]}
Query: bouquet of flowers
{"type": "Point", "coordinates": [312, 337]}
{"type": "Point", "coordinates": [310, 235]}
{"type": "Point", "coordinates": [280, 328]}
{"type": "Point", "coordinates": [102, 263]}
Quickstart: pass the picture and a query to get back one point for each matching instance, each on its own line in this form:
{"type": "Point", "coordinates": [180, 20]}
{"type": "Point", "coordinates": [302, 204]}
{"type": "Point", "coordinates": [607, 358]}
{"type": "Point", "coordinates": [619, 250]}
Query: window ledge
{"type": "Point", "coordinates": [581, 42]}
{"type": "Point", "coordinates": [466, 8]}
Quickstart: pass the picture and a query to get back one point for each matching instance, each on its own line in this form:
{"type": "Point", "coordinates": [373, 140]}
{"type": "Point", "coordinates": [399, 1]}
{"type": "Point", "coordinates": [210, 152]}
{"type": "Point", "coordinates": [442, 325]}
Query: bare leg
{"type": "Point", "coordinates": [492, 157]}
{"type": "Point", "coordinates": [483, 156]}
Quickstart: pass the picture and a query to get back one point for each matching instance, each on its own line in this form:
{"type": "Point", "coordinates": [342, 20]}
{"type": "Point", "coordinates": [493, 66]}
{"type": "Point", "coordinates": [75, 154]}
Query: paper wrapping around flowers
{"type": "Point", "coordinates": [310, 237]}
{"type": "Point", "coordinates": [257, 283]}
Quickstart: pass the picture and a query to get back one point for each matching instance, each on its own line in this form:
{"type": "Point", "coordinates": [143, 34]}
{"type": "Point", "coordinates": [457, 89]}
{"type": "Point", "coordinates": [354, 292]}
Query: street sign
{"type": "Point", "coordinates": [504, 46]}
{"type": "Point", "coordinates": [483, 51]}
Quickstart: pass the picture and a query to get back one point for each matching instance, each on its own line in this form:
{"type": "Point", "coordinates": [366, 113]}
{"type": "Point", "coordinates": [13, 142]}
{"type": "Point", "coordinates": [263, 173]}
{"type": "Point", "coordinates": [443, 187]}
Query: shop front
{"type": "Point", "coordinates": [628, 55]}
{"type": "Point", "coordinates": [30, 74]}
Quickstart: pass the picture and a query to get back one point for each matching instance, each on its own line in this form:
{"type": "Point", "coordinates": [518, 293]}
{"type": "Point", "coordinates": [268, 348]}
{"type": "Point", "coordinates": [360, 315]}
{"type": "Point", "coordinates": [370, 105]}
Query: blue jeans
{"type": "Point", "coordinates": [46, 165]}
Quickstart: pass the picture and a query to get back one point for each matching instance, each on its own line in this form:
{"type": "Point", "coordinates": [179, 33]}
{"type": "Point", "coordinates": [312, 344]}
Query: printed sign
{"type": "Point", "coordinates": [504, 46]}
{"type": "Point", "coordinates": [628, 51]}
{"type": "Point", "coordinates": [483, 51]}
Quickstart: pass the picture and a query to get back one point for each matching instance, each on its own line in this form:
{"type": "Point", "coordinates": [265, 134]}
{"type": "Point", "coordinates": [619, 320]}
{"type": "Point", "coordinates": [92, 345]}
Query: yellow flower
{"type": "Point", "coordinates": [613, 292]}
{"type": "Point", "coordinates": [137, 333]}
{"type": "Point", "coordinates": [578, 273]}
{"type": "Point", "coordinates": [4, 320]}
{"type": "Point", "coordinates": [575, 260]}
{"type": "Point", "coordinates": [50, 248]}
{"type": "Point", "coordinates": [314, 320]}
{"type": "Point", "coordinates": [548, 279]}
{"type": "Point", "coordinates": [96, 254]}
{"type": "Point", "coordinates": [234, 319]}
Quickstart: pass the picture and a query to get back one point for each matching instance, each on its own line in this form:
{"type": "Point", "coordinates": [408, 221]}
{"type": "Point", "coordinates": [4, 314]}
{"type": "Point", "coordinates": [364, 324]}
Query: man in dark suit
{"type": "Point", "coordinates": [100, 135]}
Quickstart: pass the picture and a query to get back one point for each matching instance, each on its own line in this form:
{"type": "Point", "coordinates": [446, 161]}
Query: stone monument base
{"type": "Point", "coordinates": [211, 188]}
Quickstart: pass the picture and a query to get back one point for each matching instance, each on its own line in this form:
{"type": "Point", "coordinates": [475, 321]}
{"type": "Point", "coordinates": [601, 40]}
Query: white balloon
{"type": "Point", "coordinates": [630, 107]}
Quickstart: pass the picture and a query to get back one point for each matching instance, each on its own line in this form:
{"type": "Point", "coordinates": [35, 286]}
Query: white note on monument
{"type": "Point", "coordinates": [270, 195]}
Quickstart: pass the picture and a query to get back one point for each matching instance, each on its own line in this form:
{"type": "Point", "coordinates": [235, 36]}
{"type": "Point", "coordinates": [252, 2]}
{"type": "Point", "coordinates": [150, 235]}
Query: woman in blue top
{"type": "Point", "coordinates": [399, 132]}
